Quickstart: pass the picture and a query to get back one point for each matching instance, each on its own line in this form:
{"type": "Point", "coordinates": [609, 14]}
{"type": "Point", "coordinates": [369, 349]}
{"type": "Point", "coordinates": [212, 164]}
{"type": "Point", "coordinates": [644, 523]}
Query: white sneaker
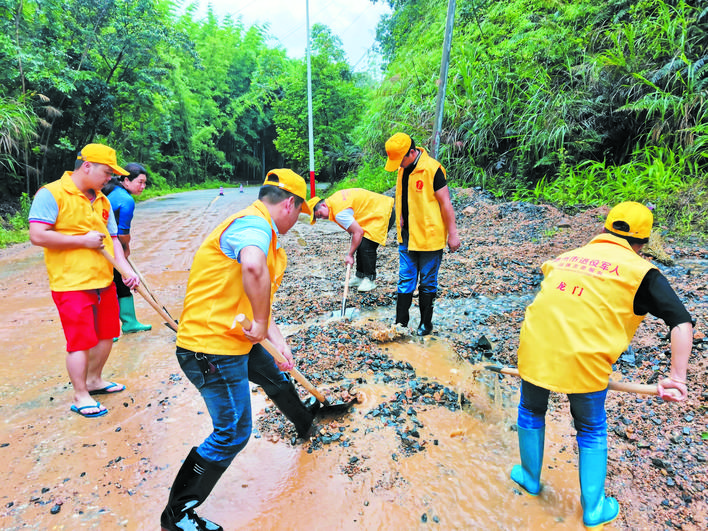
{"type": "Point", "coordinates": [355, 281]}
{"type": "Point", "coordinates": [366, 285]}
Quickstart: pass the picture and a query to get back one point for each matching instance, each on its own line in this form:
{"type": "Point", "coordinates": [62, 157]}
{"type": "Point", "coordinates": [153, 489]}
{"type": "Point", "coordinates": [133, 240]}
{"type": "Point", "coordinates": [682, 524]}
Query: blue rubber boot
{"type": "Point", "coordinates": [597, 509]}
{"type": "Point", "coordinates": [528, 473]}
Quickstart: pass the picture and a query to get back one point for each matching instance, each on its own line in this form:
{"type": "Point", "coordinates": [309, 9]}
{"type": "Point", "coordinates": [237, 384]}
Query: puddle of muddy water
{"type": "Point", "coordinates": [461, 479]}
{"type": "Point", "coordinates": [694, 267]}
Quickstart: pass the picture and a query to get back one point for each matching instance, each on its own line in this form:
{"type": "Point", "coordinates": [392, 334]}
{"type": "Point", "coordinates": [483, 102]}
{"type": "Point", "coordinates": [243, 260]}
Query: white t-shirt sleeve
{"type": "Point", "coordinates": [345, 217]}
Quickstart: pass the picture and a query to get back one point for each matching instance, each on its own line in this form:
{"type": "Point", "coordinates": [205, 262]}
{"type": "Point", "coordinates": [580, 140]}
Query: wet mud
{"type": "Point", "coordinates": [431, 441]}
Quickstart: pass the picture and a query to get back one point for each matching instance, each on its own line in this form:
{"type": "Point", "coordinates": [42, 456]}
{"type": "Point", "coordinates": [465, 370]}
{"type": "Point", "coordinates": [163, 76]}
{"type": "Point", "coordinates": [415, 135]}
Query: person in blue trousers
{"type": "Point", "coordinates": [591, 302]}
{"type": "Point", "coordinates": [425, 222]}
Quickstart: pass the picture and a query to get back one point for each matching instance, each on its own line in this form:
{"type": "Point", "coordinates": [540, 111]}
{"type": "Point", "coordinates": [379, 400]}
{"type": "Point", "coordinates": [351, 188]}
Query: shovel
{"type": "Point", "coordinates": [141, 289]}
{"type": "Point", "coordinates": [625, 387]}
{"type": "Point", "coordinates": [345, 312]}
{"type": "Point", "coordinates": [143, 281]}
{"type": "Point", "coordinates": [325, 406]}
{"type": "Point", "coordinates": [346, 290]}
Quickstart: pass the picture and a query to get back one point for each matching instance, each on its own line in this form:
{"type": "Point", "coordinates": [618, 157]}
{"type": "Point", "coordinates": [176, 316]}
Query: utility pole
{"type": "Point", "coordinates": [309, 103]}
{"type": "Point", "coordinates": [442, 87]}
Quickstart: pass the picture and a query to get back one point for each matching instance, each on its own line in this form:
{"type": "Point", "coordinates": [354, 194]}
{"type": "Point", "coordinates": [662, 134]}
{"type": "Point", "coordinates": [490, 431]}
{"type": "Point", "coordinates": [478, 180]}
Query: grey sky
{"type": "Point", "coordinates": [353, 21]}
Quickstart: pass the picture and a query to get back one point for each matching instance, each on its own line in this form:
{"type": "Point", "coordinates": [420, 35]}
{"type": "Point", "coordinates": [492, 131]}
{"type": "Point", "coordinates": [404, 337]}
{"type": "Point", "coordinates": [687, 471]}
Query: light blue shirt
{"type": "Point", "coordinates": [246, 231]}
{"type": "Point", "coordinates": [123, 206]}
{"type": "Point", "coordinates": [45, 209]}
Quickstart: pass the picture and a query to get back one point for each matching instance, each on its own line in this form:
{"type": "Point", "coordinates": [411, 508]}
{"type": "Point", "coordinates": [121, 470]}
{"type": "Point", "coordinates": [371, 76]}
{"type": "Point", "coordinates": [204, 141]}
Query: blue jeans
{"type": "Point", "coordinates": [227, 396]}
{"type": "Point", "coordinates": [263, 371]}
{"type": "Point", "coordinates": [587, 409]}
{"type": "Point", "coordinates": [413, 265]}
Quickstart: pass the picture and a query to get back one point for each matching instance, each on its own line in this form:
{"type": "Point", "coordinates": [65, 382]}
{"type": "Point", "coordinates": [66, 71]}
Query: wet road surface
{"type": "Point", "coordinates": [61, 471]}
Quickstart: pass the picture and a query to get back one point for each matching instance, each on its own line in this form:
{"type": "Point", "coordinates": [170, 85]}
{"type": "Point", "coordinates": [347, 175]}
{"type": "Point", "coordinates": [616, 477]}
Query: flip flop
{"type": "Point", "coordinates": [80, 411]}
{"type": "Point", "coordinates": [107, 390]}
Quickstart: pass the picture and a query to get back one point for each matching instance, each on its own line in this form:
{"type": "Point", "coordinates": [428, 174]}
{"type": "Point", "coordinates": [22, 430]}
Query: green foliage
{"type": "Point", "coordinates": [370, 176]}
{"type": "Point", "coordinates": [337, 102]}
{"type": "Point", "coordinates": [192, 99]}
{"type": "Point", "coordinates": [8, 237]}
{"type": "Point", "coordinates": [575, 102]}
{"type": "Point", "coordinates": [17, 123]}
{"type": "Point", "coordinates": [655, 175]}
{"type": "Point", "coordinates": [659, 61]}
{"type": "Point", "coordinates": [16, 228]}
{"type": "Point", "coordinates": [570, 101]}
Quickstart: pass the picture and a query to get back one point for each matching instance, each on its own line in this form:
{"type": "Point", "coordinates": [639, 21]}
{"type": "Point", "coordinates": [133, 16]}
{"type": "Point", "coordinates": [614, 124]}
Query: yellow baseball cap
{"type": "Point", "coordinates": [101, 154]}
{"type": "Point", "coordinates": [630, 219]}
{"type": "Point", "coordinates": [312, 203]}
{"type": "Point", "coordinates": [397, 147]}
{"type": "Point", "coordinates": [290, 181]}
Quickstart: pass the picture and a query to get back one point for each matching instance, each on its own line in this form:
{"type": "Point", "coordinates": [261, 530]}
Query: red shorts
{"type": "Point", "coordinates": [88, 316]}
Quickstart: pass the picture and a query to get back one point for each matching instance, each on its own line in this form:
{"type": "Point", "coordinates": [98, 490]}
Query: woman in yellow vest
{"type": "Point", "coordinates": [237, 269]}
{"type": "Point", "coordinates": [367, 216]}
{"type": "Point", "coordinates": [591, 302]}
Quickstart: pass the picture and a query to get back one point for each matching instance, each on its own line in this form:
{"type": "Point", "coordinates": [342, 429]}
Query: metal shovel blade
{"type": "Point", "coordinates": [349, 313]}
{"type": "Point", "coordinates": [327, 409]}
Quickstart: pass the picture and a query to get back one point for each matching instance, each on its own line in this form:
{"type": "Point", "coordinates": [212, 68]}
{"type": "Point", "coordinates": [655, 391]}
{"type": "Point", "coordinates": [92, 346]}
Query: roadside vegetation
{"type": "Point", "coordinates": [570, 102]}
{"type": "Point", "coordinates": [577, 103]}
{"type": "Point", "coordinates": [14, 227]}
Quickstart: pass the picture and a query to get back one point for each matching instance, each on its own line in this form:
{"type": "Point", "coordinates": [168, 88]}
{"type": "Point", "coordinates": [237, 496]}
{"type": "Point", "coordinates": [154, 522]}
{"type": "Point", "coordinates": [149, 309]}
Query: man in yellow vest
{"type": "Point", "coordinates": [367, 216]}
{"type": "Point", "coordinates": [426, 222]}
{"type": "Point", "coordinates": [591, 302]}
{"type": "Point", "coordinates": [237, 269]}
{"type": "Point", "coordinates": [73, 220]}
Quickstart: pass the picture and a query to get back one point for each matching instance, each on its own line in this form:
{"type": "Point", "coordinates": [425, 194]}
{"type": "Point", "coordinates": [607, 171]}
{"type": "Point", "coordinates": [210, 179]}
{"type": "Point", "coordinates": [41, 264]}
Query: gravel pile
{"type": "Point", "coordinates": [483, 290]}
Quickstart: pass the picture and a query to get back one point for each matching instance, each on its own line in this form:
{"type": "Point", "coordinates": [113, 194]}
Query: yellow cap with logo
{"type": "Point", "coordinates": [290, 181]}
{"type": "Point", "coordinates": [312, 203]}
{"type": "Point", "coordinates": [100, 154]}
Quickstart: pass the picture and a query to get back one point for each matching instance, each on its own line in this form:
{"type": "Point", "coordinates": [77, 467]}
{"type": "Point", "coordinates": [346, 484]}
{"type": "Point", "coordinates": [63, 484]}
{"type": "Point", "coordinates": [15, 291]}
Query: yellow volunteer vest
{"type": "Point", "coordinates": [426, 228]}
{"type": "Point", "coordinates": [215, 293]}
{"type": "Point", "coordinates": [78, 269]}
{"type": "Point", "coordinates": [582, 319]}
{"type": "Point", "coordinates": [371, 211]}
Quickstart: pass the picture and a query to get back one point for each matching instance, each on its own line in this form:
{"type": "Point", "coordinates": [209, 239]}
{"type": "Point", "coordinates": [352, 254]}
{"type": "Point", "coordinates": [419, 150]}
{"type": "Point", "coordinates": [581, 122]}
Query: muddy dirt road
{"type": "Point", "coordinates": [431, 443]}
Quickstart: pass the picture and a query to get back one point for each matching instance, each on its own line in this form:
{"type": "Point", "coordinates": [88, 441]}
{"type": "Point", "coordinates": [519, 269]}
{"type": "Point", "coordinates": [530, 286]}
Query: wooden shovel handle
{"type": "Point", "coordinates": [141, 289]}
{"type": "Point", "coordinates": [625, 387]}
{"type": "Point", "coordinates": [245, 322]}
{"type": "Point", "coordinates": [142, 279]}
{"type": "Point", "coordinates": [144, 282]}
{"type": "Point", "coordinates": [640, 389]}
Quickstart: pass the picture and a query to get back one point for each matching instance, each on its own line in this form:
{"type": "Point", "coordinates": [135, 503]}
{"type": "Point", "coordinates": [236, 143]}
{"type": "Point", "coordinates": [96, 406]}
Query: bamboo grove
{"type": "Point", "coordinates": [193, 99]}
{"type": "Point", "coordinates": [572, 102]}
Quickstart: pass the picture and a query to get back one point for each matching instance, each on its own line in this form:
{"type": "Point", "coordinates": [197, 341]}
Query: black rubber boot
{"type": "Point", "coordinates": [425, 301]}
{"type": "Point", "coordinates": [288, 402]}
{"type": "Point", "coordinates": [403, 304]}
{"type": "Point", "coordinates": [193, 483]}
